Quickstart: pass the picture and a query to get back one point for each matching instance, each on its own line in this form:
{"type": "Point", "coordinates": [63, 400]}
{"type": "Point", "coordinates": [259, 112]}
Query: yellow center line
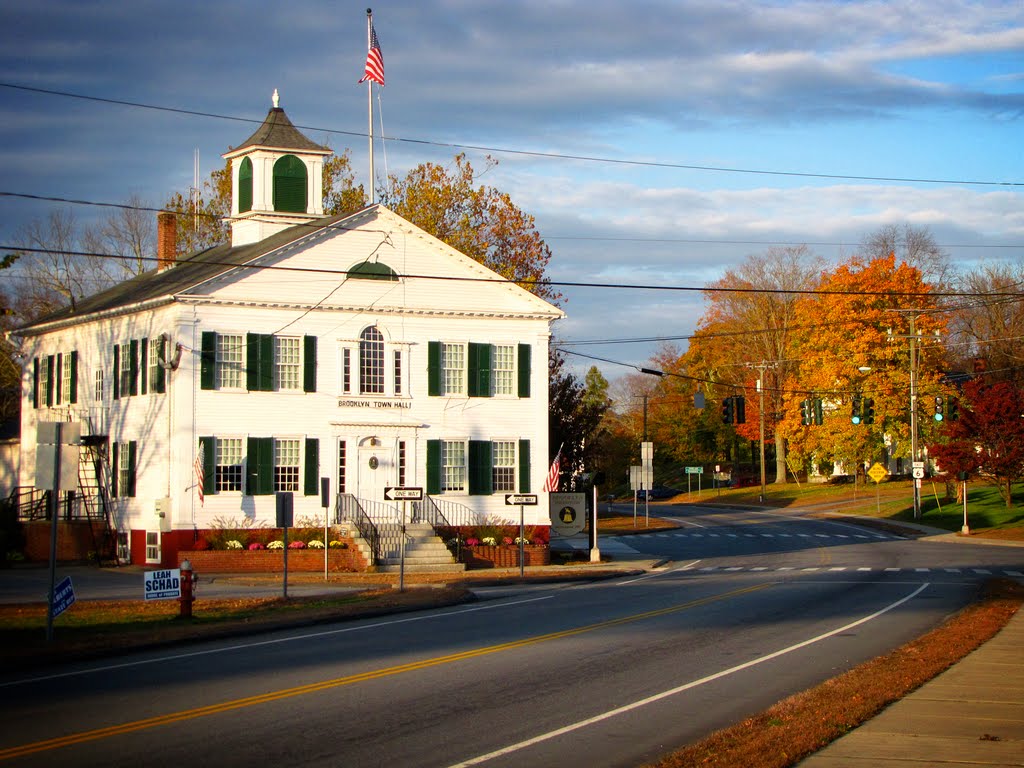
{"type": "Point", "coordinates": [323, 685]}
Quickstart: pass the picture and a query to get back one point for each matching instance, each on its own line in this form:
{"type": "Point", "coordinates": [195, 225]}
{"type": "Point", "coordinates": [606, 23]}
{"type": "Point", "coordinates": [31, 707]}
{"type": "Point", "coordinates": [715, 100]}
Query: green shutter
{"type": "Point", "coordinates": [309, 364]}
{"type": "Point", "coordinates": [481, 479]}
{"type": "Point", "coordinates": [116, 378]}
{"type": "Point", "coordinates": [132, 464]}
{"type": "Point", "coordinates": [35, 382]}
{"type": "Point", "coordinates": [479, 364]}
{"type": "Point", "coordinates": [524, 370]}
{"type": "Point", "coordinates": [144, 365]}
{"type": "Point", "coordinates": [433, 467]}
{"type": "Point", "coordinates": [524, 466]}
{"type": "Point", "coordinates": [133, 362]}
{"type": "Point", "coordinates": [207, 360]}
{"type": "Point", "coordinates": [245, 185]}
{"type": "Point", "coordinates": [115, 448]}
{"type": "Point", "coordinates": [50, 369]}
{"type": "Point", "coordinates": [58, 385]}
{"type": "Point", "coordinates": [290, 185]}
{"type": "Point", "coordinates": [259, 471]}
{"type": "Point", "coordinates": [433, 368]}
{"type": "Point", "coordinates": [160, 385]}
{"type": "Point", "coordinates": [208, 446]}
{"type": "Point", "coordinates": [252, 361]}
{"type": "Point", "coordinates": [73, 394]}
{"type": "Point", "coordinates": [312, 469]}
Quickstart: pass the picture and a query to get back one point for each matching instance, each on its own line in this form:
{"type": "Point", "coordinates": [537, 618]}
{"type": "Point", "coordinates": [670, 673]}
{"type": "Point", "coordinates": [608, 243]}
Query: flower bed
{"type": "Point", "coordinates": [484, 556]}
{"type": "Point", "coordinates": [348, 560]}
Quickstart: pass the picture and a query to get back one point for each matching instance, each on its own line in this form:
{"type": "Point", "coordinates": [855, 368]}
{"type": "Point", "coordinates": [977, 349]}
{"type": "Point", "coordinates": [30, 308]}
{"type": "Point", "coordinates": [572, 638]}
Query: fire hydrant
{"type": "Point", "coordinates": [188, 579]}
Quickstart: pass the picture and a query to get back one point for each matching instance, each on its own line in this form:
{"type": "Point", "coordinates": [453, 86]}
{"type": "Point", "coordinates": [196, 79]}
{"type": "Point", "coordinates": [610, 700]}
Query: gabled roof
{"type": "Point", "coordinates": [277, 132]}
{"type": "Point", "coordinates": [157, 287]}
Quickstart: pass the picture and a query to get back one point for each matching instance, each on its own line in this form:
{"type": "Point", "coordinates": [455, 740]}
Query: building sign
{"type": "Point", "coordinates": [375, 404]}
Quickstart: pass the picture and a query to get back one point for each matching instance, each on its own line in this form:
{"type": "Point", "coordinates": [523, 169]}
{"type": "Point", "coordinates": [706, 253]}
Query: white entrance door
{"type": "Point", "coordinates": [373, 469]}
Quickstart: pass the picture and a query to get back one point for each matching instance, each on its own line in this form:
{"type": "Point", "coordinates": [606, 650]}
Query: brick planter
{"type": "Point", "coordinates": [272, 561]}
{"type": "Point", "coordinates": [481, 556]}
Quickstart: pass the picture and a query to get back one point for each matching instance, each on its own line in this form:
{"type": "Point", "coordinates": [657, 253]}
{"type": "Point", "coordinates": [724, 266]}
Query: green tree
{"type": "Point", "coordinates": [574, 424]}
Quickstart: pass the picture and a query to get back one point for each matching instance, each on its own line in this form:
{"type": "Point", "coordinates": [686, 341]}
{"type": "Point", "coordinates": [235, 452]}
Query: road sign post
{"type": "Point", "coordinates": [523, 500]}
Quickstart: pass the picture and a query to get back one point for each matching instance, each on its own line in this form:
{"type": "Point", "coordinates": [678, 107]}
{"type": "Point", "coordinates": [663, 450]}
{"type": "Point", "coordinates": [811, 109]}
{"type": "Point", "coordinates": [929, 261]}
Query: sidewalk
{"type": "Point", "coordinates": [970, 715]}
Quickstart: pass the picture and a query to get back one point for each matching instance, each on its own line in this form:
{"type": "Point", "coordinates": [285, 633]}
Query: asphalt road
{"type": "Point", "coordinates": [748, 608]}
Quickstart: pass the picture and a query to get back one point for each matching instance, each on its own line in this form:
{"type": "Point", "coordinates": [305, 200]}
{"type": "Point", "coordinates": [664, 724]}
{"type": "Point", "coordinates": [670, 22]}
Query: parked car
{"type": "Point", "coordinates": [661, 492]}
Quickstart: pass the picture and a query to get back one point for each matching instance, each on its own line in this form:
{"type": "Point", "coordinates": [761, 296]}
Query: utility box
{"type": "Point", "coordinates": [162, 508]}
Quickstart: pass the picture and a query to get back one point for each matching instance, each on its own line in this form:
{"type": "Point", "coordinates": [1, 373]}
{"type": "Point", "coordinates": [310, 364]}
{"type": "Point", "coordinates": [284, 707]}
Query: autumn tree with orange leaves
{"type": "Point", "coordinates": [854, 341]}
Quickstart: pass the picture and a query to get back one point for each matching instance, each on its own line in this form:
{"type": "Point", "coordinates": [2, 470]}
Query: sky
{"type": "Point", "coordinates": [656, 143]}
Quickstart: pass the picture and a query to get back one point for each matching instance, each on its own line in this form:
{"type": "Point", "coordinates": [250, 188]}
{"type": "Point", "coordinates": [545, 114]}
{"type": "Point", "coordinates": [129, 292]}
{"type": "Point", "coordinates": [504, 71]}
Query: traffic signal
{"type": "Point", "coordinates": [951, 409]}
{"type": "Point", "coordinates": [817, 416]}
{"type": "Point", "coordinates": [855, 409]}
{"type": "Point", "coordinates": [869, 410]}
{"type": "Point", "coordinates": [741, 409]}
{"type": "Point", "coordinates": [939, 406]}
{"type": "Point", "coordinates": [806, 417]}
{"type": "Point", "coordinates": [727, 411]}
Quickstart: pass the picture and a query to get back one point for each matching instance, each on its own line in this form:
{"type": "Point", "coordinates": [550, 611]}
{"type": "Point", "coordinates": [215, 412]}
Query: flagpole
{"type": "Point", "coordinates": [369, 104]}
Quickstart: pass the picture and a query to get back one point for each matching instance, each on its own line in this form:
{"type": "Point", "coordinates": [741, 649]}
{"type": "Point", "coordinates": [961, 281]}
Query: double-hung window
{"type": "Point", "coordinates": [228, 464]}
{"type": "Point", "coordinates": [453, 466]}
{"type": "Point", "coordinates": [287, 362]}
{"type": "Point", "coordinates": [230, 365]}
{"type": "Point", "coordinates": [286, 464]}
{"type": "Point", "coordinates": [503, 467]}
{"type": "Point", "coordinates": [43, 390]}
{"type": "Point", "coordinates": [453, 369]}
{"type": "Point", "coordinates": [503, 373]}
{"type": "Point", "coordinates": [125, 375]}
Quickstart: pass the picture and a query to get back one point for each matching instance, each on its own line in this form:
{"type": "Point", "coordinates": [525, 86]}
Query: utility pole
{"type": "Point", "coordinates": [761, 367]}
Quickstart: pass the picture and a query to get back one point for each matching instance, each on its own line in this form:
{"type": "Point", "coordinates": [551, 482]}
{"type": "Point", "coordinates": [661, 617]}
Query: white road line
{"type": "Point", "coordinates": [1018, 574]}
{"type": "Point", "coordinates": [659, 573]}
{"type": "Point", "coordinates": [685, 687]}
{"type": "Point", "coordinates": [982, 571]}
{"type": "Point", "coordinates": [951, 570]}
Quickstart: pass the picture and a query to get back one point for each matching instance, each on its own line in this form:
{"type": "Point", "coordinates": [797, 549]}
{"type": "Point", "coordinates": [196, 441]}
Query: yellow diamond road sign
{"type": "Point", "coordinates": [878, 473]}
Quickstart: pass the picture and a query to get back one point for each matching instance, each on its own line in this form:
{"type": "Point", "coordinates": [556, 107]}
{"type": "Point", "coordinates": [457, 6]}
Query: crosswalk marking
{"type": "Point", "coordinates": [842, 568]}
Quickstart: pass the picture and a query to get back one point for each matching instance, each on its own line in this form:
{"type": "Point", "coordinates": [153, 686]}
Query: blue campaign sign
{"type": "Point", "coordinates": [63, 597]}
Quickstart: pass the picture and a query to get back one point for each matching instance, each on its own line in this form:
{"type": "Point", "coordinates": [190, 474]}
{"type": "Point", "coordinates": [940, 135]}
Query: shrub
{"type": "Point", "coordinates": [256, 545]}
{"type": "Point", "coordinates": [201, 544]}
{"type": "Point", "coordinates": [296, 545]}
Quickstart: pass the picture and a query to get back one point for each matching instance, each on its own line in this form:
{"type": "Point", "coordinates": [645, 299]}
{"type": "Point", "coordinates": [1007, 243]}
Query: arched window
{"type": "Point", "coordinates": [290, 185]}
{"type": "Point", "coordinates": [372, 270]}
{"type": "Point", "coordinates": [371, 361]}
{"type": "Point", "coordinates": [245, 186]}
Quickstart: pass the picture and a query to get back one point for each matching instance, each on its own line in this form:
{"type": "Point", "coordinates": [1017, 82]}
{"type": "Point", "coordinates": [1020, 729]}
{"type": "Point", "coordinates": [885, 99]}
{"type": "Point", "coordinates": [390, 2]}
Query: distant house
{"type": "Point", "coordinates": [355, 348]}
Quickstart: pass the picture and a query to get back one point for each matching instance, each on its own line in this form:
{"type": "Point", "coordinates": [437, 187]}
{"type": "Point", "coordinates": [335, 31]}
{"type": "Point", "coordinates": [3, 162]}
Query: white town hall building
{"type": "Point", "coordinates": [356, 348]}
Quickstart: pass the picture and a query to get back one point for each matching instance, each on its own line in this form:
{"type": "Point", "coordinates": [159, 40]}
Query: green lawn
{"type": "Point", "coordinates": [986, 510]}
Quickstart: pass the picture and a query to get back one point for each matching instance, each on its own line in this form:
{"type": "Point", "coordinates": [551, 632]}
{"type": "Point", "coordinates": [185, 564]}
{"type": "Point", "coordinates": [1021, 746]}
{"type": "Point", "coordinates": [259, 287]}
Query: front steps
{"type": "Point", "coordinates": [424, 553]}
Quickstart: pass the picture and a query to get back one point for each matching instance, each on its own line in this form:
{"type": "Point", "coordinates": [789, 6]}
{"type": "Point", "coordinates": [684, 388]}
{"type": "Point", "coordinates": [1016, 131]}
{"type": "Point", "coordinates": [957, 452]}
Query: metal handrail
{"type": "Point", "coordinates": [349, 509]}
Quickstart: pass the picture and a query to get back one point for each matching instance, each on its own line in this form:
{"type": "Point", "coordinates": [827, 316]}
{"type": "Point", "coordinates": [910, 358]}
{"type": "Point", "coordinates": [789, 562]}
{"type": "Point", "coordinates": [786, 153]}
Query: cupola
{"type": "Point", "coordinates": [276, 179]}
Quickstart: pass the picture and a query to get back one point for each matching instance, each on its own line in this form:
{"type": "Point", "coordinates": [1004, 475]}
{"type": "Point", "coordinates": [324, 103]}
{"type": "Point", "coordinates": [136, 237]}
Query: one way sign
{"type": "Point", "coordinates": [399, 493]}
{"type": "Point", "coordinates": [527, 499]}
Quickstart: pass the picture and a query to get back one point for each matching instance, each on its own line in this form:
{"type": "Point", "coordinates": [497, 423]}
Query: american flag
{"type": "Point", "coordinates": [551, 483]}
{"type": "Point", "coordinates": [374, 60]}
{"type": "Point", "coordinates": [200, 473]}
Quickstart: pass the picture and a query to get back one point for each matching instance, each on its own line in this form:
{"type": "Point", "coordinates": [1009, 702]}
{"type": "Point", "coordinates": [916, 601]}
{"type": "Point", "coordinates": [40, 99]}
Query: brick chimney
{"type": "Point", "coordinates": [166, 240]}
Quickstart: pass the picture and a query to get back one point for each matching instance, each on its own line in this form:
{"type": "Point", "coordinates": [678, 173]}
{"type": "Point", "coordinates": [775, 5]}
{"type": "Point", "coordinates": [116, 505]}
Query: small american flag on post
{"type": "Point", "coordinates": [200, 473]}
{"type": "Point", "coordinates": [551, 483]}
{"type": "Point", "coordinates": [374, 60]}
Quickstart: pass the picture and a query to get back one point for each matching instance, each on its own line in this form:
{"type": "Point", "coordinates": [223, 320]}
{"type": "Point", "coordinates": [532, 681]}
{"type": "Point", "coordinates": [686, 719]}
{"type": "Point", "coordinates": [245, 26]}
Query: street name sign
{"type": "Point", "coordinates": [695, 470]}
{"type": "Point", "coordinates": [527, 499]}
{"type": "Point", "coordinates": [399, 493]}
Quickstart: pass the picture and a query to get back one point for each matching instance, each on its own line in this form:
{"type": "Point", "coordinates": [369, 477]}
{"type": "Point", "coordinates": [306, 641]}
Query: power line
{"type": "Point", "coordinates": [528, 280]}
{"type": "Point", "coordinates": [529, 153]}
